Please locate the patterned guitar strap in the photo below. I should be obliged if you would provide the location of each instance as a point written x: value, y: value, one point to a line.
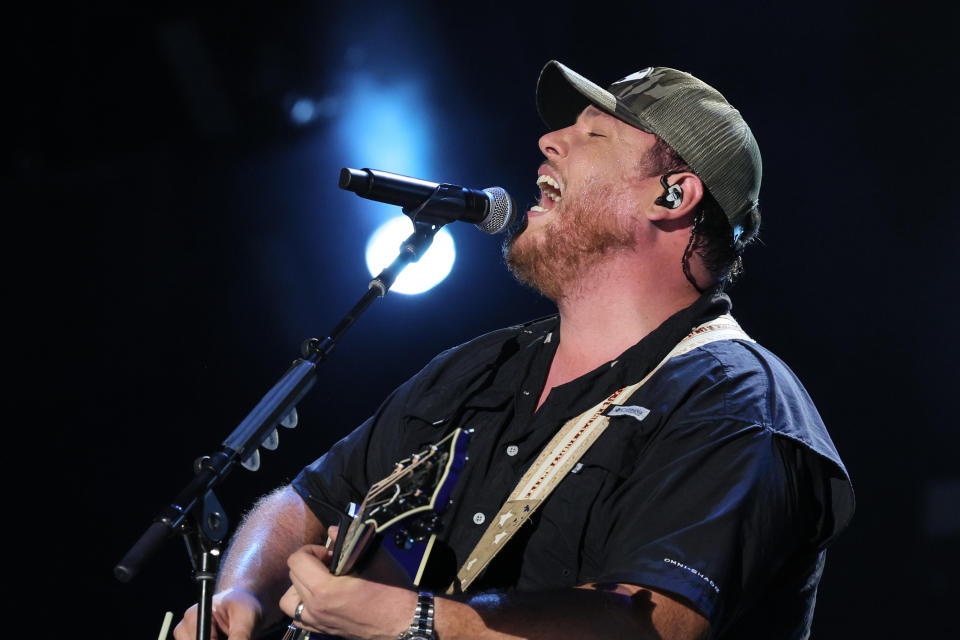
x: 565, y: 449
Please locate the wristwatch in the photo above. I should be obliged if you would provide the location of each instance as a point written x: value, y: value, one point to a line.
x: 422, y: 626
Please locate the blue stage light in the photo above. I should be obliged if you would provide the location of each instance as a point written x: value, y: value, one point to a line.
x: 303, y: 111
x: 386, y: 125
x: 417, y: 277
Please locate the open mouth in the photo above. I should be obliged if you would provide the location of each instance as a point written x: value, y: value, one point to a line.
x: 550, y: 194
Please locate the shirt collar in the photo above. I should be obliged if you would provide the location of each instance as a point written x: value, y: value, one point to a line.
x: 501, y: 380
x: 632, y: 365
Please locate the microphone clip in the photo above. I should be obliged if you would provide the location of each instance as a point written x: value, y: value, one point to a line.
x: 443, y: 205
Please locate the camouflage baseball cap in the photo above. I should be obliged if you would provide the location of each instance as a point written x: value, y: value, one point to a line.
x: 688, y: 114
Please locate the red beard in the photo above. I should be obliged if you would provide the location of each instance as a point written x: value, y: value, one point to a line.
x: 553, y: 257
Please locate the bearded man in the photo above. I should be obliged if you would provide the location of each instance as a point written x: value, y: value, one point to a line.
x: 709, y: 488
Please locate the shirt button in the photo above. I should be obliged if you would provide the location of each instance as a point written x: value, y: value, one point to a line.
x: 478, y: 518
x: 512, y: 450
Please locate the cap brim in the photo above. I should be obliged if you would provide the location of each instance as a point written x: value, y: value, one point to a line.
x: 563, y: 93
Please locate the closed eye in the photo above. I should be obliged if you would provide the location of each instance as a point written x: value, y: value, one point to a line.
x: 596, y: 135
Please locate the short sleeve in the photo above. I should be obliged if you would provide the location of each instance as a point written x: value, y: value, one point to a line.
x: 719, y: 504
x: 336, y: 478
x: 411, y: 417
x: 709, y: 521
x: 369, y: 453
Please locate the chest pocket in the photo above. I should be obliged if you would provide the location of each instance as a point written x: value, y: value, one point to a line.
x: 569, y: 531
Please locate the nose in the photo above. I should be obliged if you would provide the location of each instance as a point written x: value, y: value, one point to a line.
x: 554, y: 144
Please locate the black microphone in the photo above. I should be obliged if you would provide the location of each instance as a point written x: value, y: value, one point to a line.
x: 491, y: 210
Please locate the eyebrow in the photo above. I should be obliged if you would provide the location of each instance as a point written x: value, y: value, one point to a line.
x: 592, y: 112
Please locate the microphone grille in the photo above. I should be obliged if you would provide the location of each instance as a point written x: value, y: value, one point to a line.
x: 501, y: 212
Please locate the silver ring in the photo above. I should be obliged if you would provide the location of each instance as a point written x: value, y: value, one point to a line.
x: 297, y: 612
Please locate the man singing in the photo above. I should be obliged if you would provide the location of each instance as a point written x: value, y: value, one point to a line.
x: 709, y: 490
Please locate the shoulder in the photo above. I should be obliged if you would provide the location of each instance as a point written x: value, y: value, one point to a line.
x: 756, y: 385
x: 736, y: 384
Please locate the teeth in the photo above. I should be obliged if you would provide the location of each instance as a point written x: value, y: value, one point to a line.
x: 555, y: 191
x: 549, y: 180
x: 538, y: 209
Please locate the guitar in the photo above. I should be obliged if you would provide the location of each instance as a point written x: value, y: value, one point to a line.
x: 402, y: 510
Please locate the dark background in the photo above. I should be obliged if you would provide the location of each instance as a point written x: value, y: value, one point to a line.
x: 184, y: 236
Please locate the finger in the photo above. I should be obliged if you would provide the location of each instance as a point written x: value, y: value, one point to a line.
x: 309, y: 553
x: 292, y: 598
x: 186, y: 629
x: 182, y: 632
x: 289, y: 601
x: 240, y: 634
x: 237, y: 624
x: 236, y: 615
x: 332, y: 532
x: 317, y: 551
x: 220, y: 621
x: 308, y: 567
x: 306, y: 589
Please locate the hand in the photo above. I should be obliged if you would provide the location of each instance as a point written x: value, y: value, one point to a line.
x: 236, y: 613
x: 346, y: 606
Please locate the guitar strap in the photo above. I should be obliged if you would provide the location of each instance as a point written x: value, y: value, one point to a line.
x: 565, y: 449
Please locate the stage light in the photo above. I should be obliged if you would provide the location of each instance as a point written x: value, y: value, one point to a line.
x: 303, y: 111
x: 417, y: 277
x: 386, y: 126
x: 386, y: 122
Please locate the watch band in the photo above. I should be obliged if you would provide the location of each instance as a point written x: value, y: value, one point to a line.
x: 422, y: 626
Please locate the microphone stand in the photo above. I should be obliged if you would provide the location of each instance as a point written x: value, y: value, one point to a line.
x: 195, y: 512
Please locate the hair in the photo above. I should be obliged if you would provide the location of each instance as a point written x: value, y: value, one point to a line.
x: 711, y: 236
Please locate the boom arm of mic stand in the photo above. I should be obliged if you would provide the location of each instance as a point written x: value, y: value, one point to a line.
x: 259, y: 424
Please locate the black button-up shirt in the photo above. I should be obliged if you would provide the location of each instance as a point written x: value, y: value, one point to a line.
x: 720, y: 486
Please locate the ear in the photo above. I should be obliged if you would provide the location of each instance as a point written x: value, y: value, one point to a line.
x: 692, y: 193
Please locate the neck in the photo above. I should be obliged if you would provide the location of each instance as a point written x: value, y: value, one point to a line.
x: 602, y: 319
x: 600, y: 324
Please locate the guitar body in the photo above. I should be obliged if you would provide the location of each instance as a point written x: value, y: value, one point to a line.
x: 401, y: 512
